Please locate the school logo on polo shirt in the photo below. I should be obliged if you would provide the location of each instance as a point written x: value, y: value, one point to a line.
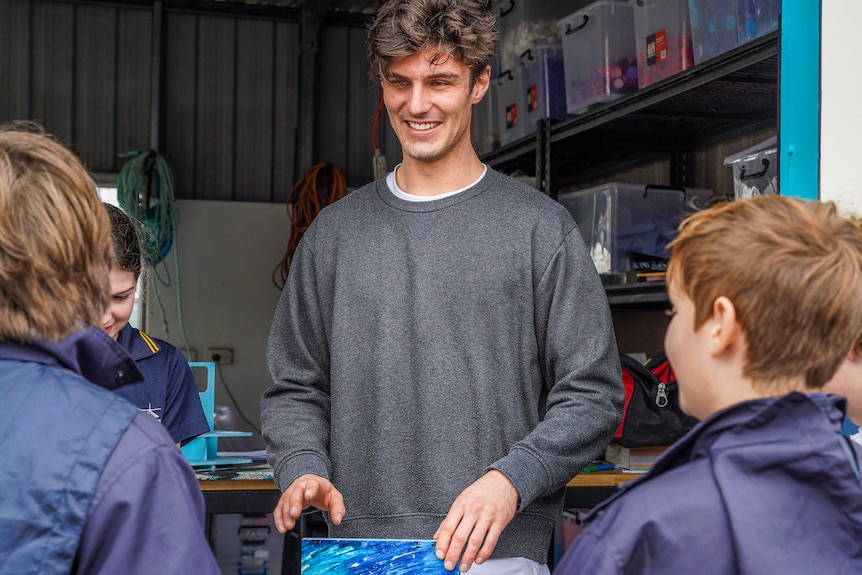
x: 152, y: 411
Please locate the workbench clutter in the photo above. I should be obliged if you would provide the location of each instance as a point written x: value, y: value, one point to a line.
x: 202, y: 451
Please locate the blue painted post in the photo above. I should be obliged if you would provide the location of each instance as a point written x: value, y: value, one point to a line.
x: 799, y: 99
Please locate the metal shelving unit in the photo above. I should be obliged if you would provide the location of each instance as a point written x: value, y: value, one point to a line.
x: 644, y: 294
x: 736, y: 92
x: 728, y: 95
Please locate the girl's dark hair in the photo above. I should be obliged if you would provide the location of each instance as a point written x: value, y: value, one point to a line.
x: 126, y: 234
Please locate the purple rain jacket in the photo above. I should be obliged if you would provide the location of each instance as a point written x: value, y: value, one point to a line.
x: 763, y: 487
x: 89, y: 483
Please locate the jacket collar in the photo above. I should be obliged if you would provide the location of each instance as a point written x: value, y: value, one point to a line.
x: 136, y: 343
x: 88, y: 352
x: 730, y: 427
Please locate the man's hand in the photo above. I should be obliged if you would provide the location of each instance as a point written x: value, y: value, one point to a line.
x: 476, y: 519
x: 307, y: 490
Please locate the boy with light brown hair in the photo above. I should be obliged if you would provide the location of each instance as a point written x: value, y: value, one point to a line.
x: 767, y: 296
x: 90, y: 484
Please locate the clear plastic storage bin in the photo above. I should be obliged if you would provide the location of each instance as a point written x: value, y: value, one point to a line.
x: 600, y: 58
x: 663, y: 39
x: 714, y: 27
x: 543, y: 85
x: 525, y: 24
x: 755, y: 170
x: 757, y: 17
x: 718, y: 26
x: 627, y: 227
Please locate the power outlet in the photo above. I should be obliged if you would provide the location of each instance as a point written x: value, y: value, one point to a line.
x: 379, y: 165
x: 220, y: 355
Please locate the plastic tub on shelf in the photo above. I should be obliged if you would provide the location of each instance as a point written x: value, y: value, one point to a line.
x: 714, y: 27
x: 756, y: 18
x: 509, y: 103
x: 663, y: 39
x: 525, y: 24
x: 718, y: 26
x: 755, y: 170
x: 600, y: 58
x: 543, y: 85
x: 627, y: 227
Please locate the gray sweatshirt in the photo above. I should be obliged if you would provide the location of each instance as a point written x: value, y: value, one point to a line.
x: 418, y: 344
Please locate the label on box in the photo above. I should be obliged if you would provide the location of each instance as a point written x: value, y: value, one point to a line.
x: 511, y: 115
x: 656, y: 48
x: 532, y: 98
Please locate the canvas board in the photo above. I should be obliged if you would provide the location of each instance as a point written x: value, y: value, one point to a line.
x: 334, y: 556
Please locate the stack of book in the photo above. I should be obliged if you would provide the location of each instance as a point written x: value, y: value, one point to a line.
x: 633, y: 459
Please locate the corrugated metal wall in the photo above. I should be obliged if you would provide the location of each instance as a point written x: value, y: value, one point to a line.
x: 227, y: 92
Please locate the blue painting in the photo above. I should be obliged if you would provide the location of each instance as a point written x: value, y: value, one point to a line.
x: 370, y: 557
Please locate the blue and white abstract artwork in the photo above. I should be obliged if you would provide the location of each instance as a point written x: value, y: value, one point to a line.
x: 327, y: 556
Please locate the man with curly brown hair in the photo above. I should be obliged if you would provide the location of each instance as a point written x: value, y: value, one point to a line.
x: 443, y: 353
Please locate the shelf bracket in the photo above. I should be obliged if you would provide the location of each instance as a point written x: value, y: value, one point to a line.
x: 682, y: 169
x: 543, y: 157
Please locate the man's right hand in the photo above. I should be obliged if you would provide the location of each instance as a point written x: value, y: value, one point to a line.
x: 307, y: 491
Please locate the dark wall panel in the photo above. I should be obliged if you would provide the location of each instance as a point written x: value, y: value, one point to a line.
x: 95, y: 80
x: 330, y: 130
x: 134, y: 83
x: 226, y: 102
x: 180, y: 95
x: 347, y: 104
x: 254, y: 109
x: 362, y: 109
x: 15, y: 58
x: 285, y: 109
x: 215, y: 108
x: 53, y: 60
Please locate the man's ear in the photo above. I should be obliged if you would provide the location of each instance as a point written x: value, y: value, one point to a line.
x: 483, y: 82
x: 724, y: 328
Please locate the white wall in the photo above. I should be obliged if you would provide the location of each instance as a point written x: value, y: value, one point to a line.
x: 227, y: 251
x: 841, y: 112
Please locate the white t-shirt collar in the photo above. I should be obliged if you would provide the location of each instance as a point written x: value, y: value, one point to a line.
x: 393, y: 187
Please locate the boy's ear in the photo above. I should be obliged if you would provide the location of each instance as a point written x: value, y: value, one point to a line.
x: 725, y: 330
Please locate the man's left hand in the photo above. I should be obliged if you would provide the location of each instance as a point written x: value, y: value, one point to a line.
x: 476, y: 520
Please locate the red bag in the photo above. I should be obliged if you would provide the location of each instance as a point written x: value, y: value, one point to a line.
x: 651, y: 415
